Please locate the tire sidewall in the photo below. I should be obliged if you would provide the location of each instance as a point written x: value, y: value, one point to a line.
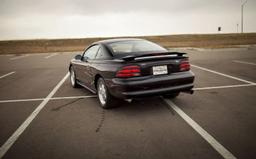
x: 73, y: 71
x: 101, y: 80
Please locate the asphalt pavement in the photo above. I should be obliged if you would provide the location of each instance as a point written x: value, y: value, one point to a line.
x: 42, y: 116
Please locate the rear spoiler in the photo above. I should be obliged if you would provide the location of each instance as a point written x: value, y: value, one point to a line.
x: 155, y: 55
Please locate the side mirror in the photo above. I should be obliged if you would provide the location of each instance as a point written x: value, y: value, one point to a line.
x: 85, y: 58
x: 78, y: 57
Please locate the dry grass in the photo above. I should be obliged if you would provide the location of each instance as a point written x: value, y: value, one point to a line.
x: 169, y: 41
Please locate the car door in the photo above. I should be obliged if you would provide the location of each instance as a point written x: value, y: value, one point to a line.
x: 84, y: 68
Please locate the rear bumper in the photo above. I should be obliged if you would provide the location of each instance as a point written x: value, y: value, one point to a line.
x: 150, y: 85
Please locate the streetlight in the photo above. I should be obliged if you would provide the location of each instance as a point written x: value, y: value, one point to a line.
x: 242, y: 16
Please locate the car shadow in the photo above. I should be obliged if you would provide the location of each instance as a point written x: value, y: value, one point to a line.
x: 65, y: 105
x: 142, y: 105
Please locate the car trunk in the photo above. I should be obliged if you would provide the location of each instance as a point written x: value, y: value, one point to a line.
x: 157, y: 64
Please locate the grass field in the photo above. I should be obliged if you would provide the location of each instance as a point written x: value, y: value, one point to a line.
x: 168, y: 41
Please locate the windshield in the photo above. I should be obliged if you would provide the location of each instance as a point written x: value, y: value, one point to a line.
x: 135, y: 46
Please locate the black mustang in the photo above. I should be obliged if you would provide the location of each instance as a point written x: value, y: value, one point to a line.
x: 130, y: 68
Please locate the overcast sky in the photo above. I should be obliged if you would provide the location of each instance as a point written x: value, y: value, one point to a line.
x: 37, y: 19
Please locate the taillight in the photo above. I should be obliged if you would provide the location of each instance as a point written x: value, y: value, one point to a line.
x: 184, y: 65
x: 128, y: 71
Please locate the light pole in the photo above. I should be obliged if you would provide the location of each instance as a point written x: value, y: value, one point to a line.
x: 242, y: 16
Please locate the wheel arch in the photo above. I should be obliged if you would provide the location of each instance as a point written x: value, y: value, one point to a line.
x: 70, y: 65
x: 97, y: 76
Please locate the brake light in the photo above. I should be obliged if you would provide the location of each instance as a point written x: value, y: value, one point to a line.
x: 128, y: 71
x: 184, y: 65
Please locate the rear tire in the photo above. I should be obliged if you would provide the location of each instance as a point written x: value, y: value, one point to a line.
x: 172, y: 95
x: 106, y: 100
x: 72, y: 75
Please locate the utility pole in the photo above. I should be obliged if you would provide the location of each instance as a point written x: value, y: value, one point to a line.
x: 242, y: 16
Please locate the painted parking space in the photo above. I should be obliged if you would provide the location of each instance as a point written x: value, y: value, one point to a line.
x: 227, y: 114
x: 29, y: 84
x: 11, y: 117
x: 143, y: 128
x: 72, y: 124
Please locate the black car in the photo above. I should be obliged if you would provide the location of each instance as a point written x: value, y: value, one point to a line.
x: 130, y: 68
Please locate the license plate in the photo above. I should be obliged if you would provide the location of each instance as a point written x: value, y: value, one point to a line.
x: 160, y: 70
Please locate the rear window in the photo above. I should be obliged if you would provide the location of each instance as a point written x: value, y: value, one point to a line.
x: 134, y: 46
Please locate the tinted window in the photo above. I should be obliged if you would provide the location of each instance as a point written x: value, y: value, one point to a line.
x: 102, y: 54
x: 135, y: 46
x: 91, y: 52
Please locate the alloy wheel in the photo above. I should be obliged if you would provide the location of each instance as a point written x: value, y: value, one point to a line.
x: 72, y: 77
x: 102, y: 93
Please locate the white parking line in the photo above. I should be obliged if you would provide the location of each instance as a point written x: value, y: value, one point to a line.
x: 40, y: 99
x: 5, y: 147
x: 51, y: 55
x: 93, y: 96
x: 221, y: 87
x: 7, y: 55
x: 21, y: 100
x: 8, y: 74
x: 244, y: 62
x: 209, y: 138
x: 19, y: 57
x: 222, y: 74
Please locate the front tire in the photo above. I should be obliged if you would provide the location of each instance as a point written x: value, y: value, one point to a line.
x: 106, y: 100
x: 72, y: 75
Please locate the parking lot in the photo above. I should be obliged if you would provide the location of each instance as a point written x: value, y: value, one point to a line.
x: 42, y: 116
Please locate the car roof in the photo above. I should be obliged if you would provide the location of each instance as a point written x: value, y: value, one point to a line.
x: 108, y: 41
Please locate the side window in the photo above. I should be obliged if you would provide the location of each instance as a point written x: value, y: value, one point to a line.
x: 102, y: 54
x: 91, y: 52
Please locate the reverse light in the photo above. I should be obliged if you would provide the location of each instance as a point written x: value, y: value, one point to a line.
x: 129, y: 71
